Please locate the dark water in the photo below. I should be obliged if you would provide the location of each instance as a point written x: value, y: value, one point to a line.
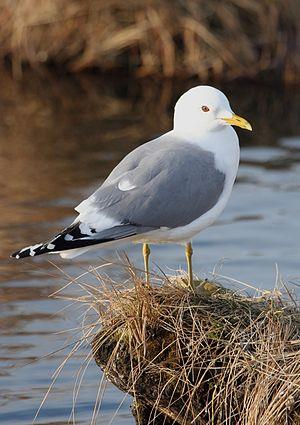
x: 58, y: 139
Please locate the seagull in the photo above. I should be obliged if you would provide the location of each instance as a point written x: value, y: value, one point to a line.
x: 166, y: 190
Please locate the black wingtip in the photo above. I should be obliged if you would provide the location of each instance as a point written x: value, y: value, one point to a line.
x: 18, y: 255
x: 74, y: 237
x: 29, y: 251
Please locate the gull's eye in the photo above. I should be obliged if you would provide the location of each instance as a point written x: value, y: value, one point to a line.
x: 205, y: 108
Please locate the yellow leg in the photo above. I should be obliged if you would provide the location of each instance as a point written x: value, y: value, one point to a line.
x: 188, y: 254
x: 146, y: 254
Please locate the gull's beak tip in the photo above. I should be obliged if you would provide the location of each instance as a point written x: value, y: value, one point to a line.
x: 239, y: 122
x: 248, y: 126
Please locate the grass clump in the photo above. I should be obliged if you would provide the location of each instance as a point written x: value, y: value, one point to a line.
x: 210, y: 357
x: 210, y: 39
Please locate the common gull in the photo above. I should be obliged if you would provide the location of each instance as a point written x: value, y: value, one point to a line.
x: 166, y: 190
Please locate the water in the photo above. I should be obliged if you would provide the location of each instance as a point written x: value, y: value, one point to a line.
x: 58, y: 139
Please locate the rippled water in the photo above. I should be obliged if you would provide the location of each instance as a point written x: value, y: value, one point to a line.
x: 58, y: 139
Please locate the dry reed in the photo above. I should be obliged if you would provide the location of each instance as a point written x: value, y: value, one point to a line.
x: 210, y: 39
x: 210, y: 357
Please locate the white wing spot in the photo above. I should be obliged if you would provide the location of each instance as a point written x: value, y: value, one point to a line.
x: 33, y: 248
x: 93, y: 218
x: 125, y: 185
x: 50, y: 246
x: 85, y: 229
x: 69, y: 237
x: 17, y: 256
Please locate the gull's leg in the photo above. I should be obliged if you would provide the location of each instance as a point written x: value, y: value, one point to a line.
x: 188, y: 254
x: 146, y: 254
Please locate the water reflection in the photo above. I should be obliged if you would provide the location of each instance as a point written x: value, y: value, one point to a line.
x: 58, y: 139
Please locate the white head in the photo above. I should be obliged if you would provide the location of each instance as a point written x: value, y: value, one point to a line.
x: 202, y: 109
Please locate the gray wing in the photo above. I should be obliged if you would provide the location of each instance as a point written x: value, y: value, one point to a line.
x: 169, y: 183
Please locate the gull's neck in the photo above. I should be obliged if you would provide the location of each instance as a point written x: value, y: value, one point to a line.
x: 210, y: 139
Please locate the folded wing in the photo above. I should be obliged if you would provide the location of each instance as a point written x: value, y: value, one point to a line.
x: 165, y: 183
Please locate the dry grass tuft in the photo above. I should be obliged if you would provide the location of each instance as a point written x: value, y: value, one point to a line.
x: 219, y: 39
x: 210, y: 357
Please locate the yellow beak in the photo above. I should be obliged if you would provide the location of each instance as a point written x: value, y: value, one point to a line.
x: 238, y: 121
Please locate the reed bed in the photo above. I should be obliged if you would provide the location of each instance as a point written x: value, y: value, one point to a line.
x: 209, y: 39
x: 209, y: 356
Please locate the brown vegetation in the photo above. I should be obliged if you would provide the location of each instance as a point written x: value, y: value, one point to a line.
x: 211, y: 39
x: 209, y: 357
